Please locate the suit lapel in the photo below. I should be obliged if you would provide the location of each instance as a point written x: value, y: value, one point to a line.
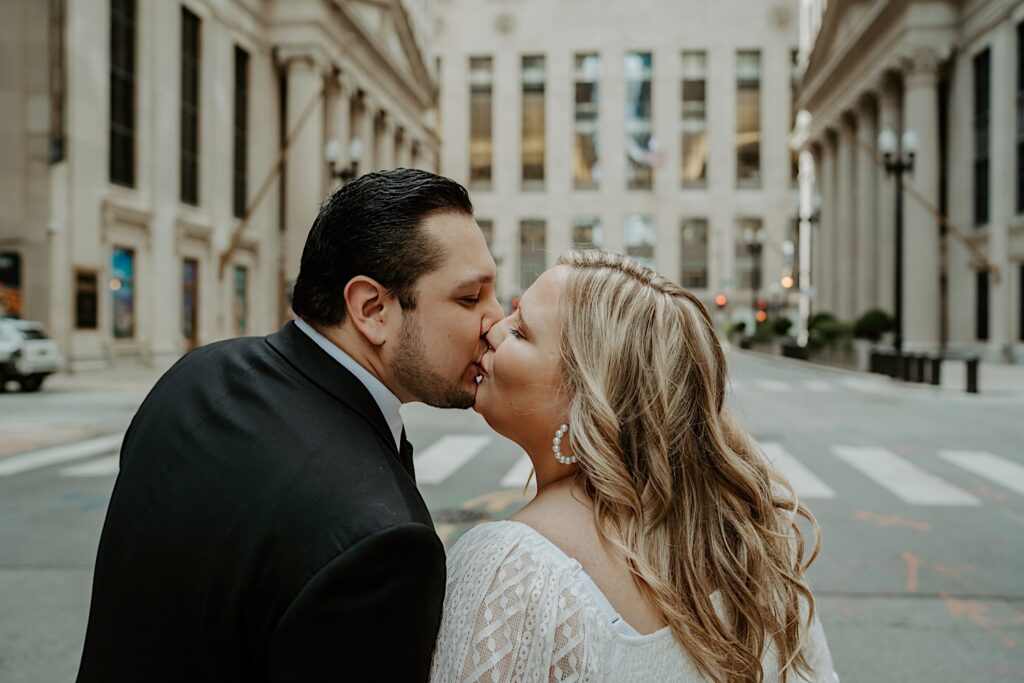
x: 405, y: 454
x: 304, y: 355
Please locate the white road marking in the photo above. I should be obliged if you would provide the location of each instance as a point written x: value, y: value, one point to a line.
x: 102, y: 467
x: 772, y: 385
x: 443, y: 457
x: 24, y: 462
x: 516, y: 477
x: 989, y: 466
x: 806, y: 483
x: 907, y: 481
x: 818, y: 386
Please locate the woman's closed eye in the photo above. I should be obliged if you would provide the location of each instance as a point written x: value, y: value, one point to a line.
x: 516, y: 333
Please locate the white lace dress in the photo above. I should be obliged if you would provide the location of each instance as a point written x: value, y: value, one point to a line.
x: 517, y: 609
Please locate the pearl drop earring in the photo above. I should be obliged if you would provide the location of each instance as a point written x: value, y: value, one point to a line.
x: 556, y: 446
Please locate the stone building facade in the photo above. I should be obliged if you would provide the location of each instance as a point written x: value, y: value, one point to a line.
x: 165, y: 159
x: 655, y: 129
x: 952, y: 72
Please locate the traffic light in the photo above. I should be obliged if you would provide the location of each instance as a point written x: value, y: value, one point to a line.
x: 762, y: 310
x: 721, y: 301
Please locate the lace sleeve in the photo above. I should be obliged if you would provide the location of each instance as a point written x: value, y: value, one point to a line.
x: 512, y: 614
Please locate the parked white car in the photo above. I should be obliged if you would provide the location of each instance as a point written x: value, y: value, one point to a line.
x: 27, y: 355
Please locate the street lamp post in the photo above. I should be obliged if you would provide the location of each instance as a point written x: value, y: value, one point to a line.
x: 897, y: 165
x: 754, y: 239
x: 332, y: 155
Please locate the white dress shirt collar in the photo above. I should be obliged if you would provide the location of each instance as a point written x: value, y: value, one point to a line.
x: 386, y: 400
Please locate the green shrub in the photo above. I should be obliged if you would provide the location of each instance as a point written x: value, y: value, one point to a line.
x: 872, y: 325
x: 781, y: 326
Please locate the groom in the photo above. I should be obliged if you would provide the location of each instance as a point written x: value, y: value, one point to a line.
x: 265, y: 524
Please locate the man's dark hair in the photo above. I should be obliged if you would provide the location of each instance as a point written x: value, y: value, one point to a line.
x: 374, y: 227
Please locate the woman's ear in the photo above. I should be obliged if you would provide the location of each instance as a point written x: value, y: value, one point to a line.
x: 365, y: 300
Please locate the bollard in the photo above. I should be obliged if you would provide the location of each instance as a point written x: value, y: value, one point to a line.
x: 936, y: 373
x: 920, y: 368
x: 873, y: 361
x: 903, y: 363
x: 972, y: 375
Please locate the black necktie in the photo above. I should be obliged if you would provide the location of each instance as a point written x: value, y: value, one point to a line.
x: 405, y: 455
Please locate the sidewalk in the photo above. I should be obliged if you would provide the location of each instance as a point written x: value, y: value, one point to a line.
x: 120, y: 377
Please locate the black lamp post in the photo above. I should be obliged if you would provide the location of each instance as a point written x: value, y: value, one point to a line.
x: 754, y: 238
x: 897, y: 166
x: 332, y: 155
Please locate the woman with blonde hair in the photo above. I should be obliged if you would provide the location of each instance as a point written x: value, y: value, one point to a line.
x: 661, y: 545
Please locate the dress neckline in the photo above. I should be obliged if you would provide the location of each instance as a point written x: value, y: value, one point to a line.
x: 592, y: 586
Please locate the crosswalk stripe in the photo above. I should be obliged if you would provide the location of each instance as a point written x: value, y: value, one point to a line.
x: 905, y: 480
x: 989, y: 466
x: 56, y: 455
x: 806, y: 483
x: 102, y: 467
x: 772, y: 385
x: 440, y: 460
x: 817, y: 386
x: 516, y: 477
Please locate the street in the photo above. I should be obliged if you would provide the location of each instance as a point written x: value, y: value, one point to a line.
x: 919, y: 492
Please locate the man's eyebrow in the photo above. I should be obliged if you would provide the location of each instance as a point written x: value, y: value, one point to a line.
x: 482, y: 279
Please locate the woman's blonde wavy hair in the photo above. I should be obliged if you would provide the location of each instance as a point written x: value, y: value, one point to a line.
x: 676, y: 484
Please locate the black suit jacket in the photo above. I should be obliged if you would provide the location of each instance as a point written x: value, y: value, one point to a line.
x: 263, y: 527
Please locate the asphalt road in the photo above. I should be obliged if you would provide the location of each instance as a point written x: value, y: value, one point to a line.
x: 919, y: 492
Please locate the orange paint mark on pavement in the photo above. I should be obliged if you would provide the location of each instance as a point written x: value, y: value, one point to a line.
x: 913, y: 565
x: 976, y: 613
x: 891, y: 520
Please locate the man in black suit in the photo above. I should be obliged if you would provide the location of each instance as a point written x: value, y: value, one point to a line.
x: 265, y: 524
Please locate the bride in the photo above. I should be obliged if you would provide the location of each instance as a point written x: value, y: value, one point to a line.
x: 660, y: 546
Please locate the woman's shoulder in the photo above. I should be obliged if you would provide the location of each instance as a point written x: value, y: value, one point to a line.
x: 496, y: 543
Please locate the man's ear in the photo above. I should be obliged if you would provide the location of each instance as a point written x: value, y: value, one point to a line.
x: 365, y: 305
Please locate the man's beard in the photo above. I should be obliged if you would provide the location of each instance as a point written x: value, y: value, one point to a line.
x: 412, y: 371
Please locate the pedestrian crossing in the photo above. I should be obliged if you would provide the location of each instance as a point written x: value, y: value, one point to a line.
x: 862, y: 385
x: 911, y: 481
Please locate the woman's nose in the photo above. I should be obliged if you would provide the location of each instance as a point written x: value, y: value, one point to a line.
x: 497, y: 334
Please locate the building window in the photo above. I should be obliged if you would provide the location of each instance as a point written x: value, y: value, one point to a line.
x: 86, y: 300
x: 10, y: 284
x: 640, y: 239
x: 122, y: 288
x: 982, y: 65
x: 240, y: 307
x: 241, y: 165
x: 981, y: 306
x: 532, y: 254
x: 694, y: 171
x: 748, y: 118
x: 189, y: 107
x: 1020, y: 302
x: 794, y: 86
x: 1020, y: 124
x: 481, y: 121
x: 190, y: 302
x: 487, y: 228
x: 639, y: 156
x: 533, y: 122
x: 587, y: 232
x: 749, y: 239
x: 586, y: 163
x: 122, y: 92
x: 694, y: 273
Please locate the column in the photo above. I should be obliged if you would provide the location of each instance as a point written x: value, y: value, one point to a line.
x: 340, y: 124
x: 920, y: 228
x: 826, y: 228
x: 888, y: 117
x: 304, y: 170
x: 865, y: 258
x: 844, y: 245
x: 366, y: 130
x: 1002, y: 191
